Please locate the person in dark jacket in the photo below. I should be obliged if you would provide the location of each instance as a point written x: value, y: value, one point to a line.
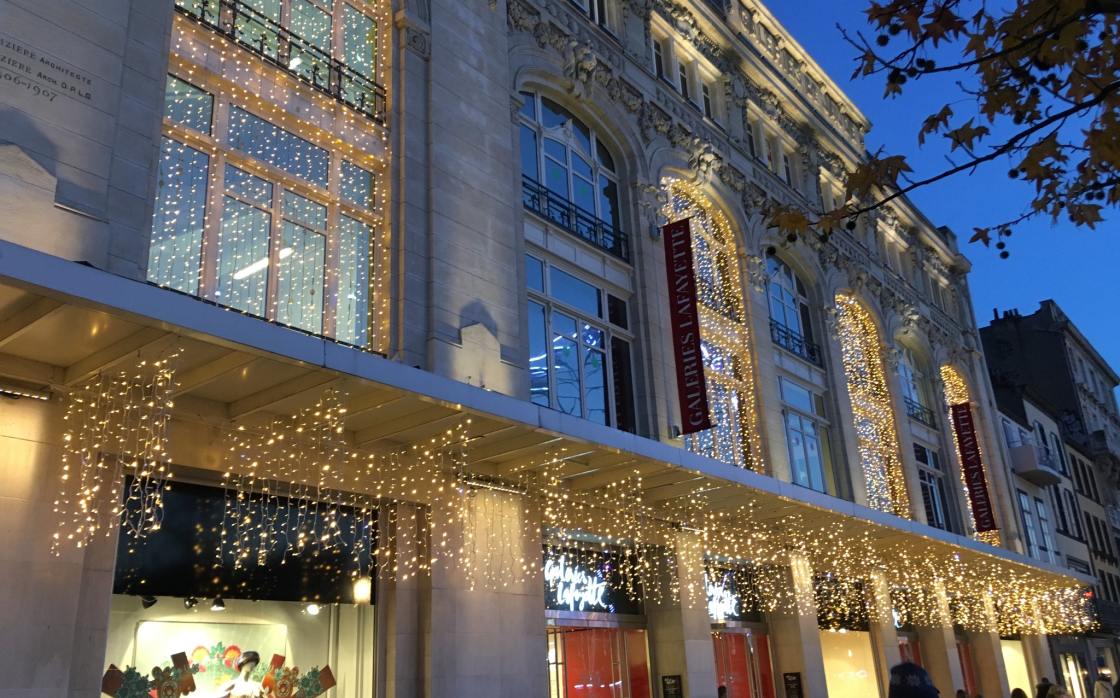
x: 1042, y: 688
x: 908, y: 680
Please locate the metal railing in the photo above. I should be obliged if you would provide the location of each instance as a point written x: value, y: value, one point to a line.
x: 792, y: 341
x: 919, y: 412
x: 246, y: 27
x: 539, y: 199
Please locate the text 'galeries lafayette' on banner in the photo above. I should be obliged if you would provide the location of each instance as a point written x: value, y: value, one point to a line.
x: 973, y: 468
x: 685, y: 319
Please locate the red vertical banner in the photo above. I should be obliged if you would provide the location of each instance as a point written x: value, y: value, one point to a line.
x: 685, y: 319
x: 972, y: 466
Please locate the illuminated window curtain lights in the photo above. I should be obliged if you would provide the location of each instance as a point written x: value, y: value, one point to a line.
x: 175, y: 253
x: 728, y: 367
x: 955, y: 391
x: 871, y: 405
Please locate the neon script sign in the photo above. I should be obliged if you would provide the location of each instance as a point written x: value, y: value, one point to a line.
x: 575, y: 587
x: 722, y: 602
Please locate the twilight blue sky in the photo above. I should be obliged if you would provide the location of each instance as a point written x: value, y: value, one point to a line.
x: 1077, y: 268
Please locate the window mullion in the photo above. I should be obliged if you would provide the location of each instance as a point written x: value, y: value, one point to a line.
x: 208, y: 279
x: 272, y: 292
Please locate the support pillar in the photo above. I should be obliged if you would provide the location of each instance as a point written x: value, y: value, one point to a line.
x: 884, y: 636
x: 987, y: 655
x: 402, y: 605
x: 939, y: 649
x: 795, y: 637
x: 680, y: 631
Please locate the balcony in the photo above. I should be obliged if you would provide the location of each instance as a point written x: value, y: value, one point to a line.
x: 1108, y: 615
x: 574, y: 219
x: 1034, y: 466
x: 253, y: 31
x: 920, y: 413
x: 793, y: 342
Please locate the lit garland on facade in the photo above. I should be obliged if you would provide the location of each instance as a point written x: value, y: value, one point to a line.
x: 871, y: 405
x: 114, y: 467
x: 304, y: 242
x: 728, y: 366
x: 956, y: 392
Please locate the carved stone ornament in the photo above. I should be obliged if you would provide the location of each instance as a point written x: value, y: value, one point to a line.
x: 418, y: 41
x: 652, y: 202
x: 831, y: 324
x: 891, y: 357
x: 755, y: 268
x: 703, y: 161
x: 580, y: 65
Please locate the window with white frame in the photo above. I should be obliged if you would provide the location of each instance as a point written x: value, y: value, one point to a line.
x: 579, y: 346
x: 1030, y: 534
x: 1046, y: 539
x: 915, y: 388
x: 810, y: 452
x: 599, y: 11
x: 688, y: 73
x: 749, y: 128
x: 569, y: 175
x: 931, y: 478
x: 259, y: 219
x: 790, y: 322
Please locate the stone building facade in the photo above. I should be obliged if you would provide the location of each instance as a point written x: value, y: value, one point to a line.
x: 353, y: 321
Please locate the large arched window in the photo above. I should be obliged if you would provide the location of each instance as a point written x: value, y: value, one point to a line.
x: 871, y: 404
x: 915, y: 388
x: 728, y: 369
x: 568, y: 175
x: 790, y: 325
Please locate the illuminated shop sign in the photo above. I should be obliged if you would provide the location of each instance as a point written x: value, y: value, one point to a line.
x: 731, y: 594
x: 575, y: 588
x: 589, y: 581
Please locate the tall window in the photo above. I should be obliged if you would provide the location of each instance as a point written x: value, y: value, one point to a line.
x: 790, y: 326
x: 875, y: 426
x: 728, y: 369
x: 810, y: 452
x: 1030, y: 535
x: 568, y: 175
x: 579, y: 347
x: 914, y: 389
x: 1046, y: 545
x: 293, y: 223
x: 598, y: 11
x: 935, y: 498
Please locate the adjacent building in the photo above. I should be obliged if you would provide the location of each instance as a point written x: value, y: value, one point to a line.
x: 441, y: 344
x: 1056, y: 395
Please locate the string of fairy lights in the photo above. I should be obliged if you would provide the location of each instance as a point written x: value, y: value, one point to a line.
x: 491, y: 529
x: 955, y: 391
x: 725, y: 341
x: 265, y: 213
x: 871, y: 405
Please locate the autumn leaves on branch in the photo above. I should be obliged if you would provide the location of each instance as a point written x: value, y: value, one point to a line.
x: 1037, y: 89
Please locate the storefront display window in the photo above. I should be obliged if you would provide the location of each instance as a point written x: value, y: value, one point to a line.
x: 849, y: 663
x: 1074, y: 674
x: 597, y: 663
x: 1015, y: 662
x: 307, y: 609
x: 743, y: 665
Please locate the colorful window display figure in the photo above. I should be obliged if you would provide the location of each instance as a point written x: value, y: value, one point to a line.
x: 248, y: 681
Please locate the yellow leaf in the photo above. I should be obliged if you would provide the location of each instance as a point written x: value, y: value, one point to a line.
x: 964, y: 136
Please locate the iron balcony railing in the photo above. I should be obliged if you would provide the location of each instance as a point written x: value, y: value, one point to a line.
x: 246, y: 27
x: 920, y: 413
x: 794, y: 342
x: 574, y: 219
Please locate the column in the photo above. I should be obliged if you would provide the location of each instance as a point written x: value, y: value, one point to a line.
x: 987, y: 656
x: 403, y: 602
x: 939, y: 649
x: 680, y: 631
x: 795, y: 638
x: 884, y: 636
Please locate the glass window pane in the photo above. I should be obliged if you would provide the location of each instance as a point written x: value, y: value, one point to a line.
x: 359, y: 37
x: 256, y: 137
x: 304, y: 211
x: 797, y: 396
x: 186, y: 104
x: 243, y: 257
x: 356, y: 185
x: 616, y: 312
x: 583, y: 194
x: 623, y: 384
x: 538, y: 355
x: 175, y: 254
x: 556, y: 178
x: 574, y: 292
x: 249, y: 187
x: 534, y: 273
x: 299, y: 300
x: 352, y: 308
x: 603, y: 155
x: 563, y: 324
x: 529, y: 109
x: 592, y: 336
x: 552, y: 114
x: 530, y: 166
x: 608, y: 202
x: 268, y: 8
x: 594, y: 373
x: 796, y: 441
x: 565, y: 359
x: 556, y: 149
x: 581, y: 166
x: 312, y: 24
